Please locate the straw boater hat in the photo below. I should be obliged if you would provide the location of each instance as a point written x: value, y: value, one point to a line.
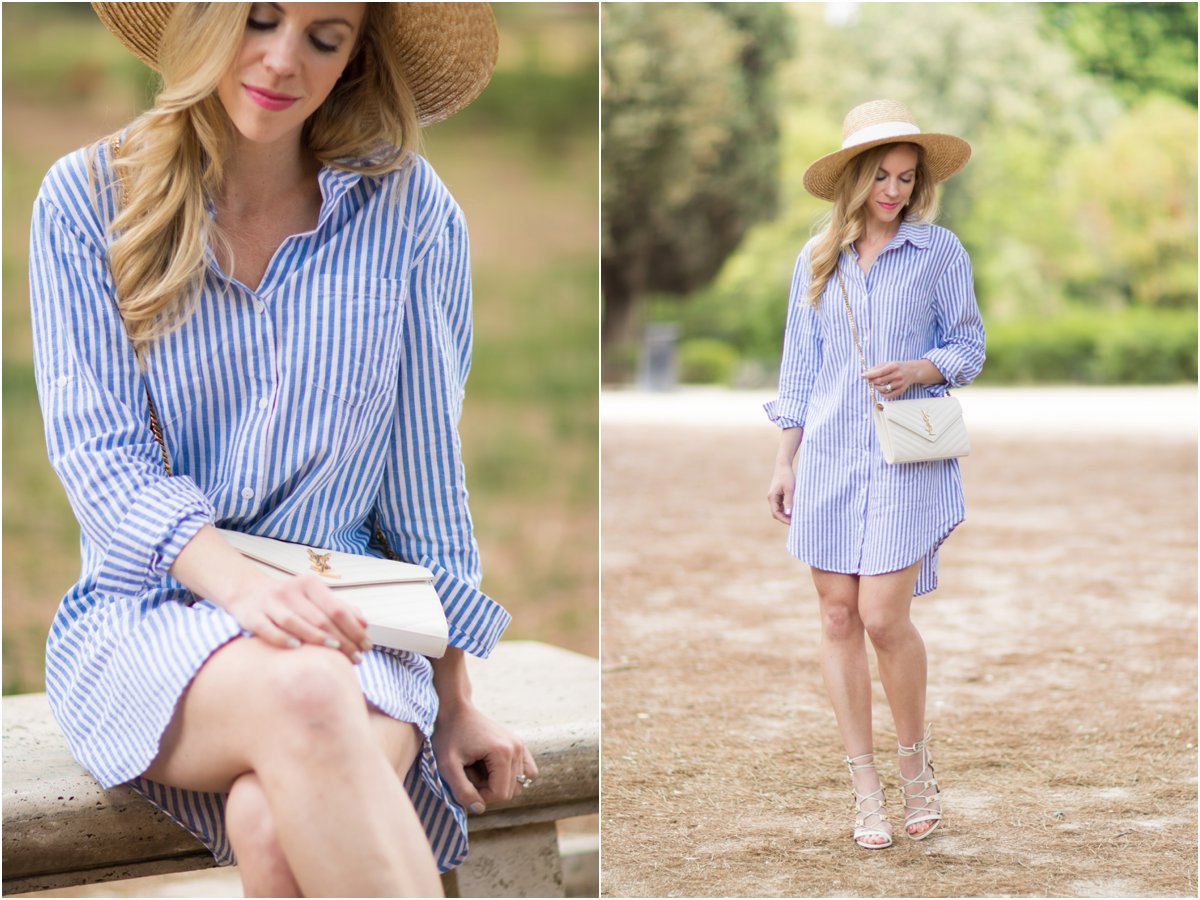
x: 884, y: 122
x: 447, y: 50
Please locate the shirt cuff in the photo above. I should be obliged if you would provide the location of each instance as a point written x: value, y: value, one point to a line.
x: 943, y: 359
x: 475, y: 620
x: 786, y: 413
x: 158, y: 525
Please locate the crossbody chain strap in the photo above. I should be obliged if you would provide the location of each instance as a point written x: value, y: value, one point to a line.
x: 156, y: 426
x: 854, y: 331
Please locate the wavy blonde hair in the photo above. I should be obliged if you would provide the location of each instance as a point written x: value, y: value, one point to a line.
x: 171, y: 158
x: 844, y: 223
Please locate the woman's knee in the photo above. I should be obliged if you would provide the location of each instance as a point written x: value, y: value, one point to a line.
x: 313, y: 687
x: 839, y: 618
x: 885, y: 626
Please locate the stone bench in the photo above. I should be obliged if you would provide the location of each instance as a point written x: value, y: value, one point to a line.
x: 61, y: 829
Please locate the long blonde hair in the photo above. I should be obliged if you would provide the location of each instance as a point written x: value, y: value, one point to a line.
x: 844, y: 223
x: 171, y: 158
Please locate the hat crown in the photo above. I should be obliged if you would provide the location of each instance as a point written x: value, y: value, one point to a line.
x: 877, y: 118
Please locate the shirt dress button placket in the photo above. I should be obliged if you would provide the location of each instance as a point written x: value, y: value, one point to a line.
x: 262, y: 328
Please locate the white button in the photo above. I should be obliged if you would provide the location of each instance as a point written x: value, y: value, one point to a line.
x: 247, y: 493
x: 63, y: 380
x: 259, y: 306
x: 262, y: 402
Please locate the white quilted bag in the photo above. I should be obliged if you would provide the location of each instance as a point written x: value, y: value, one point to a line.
x: 919, y: 430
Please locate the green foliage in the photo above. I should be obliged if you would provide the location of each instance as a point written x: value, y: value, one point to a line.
x: 1140, y: 48
x: 706, y: 361
x: 689, y: 141
x: 546, y: 85
x: 1133, y: 346
x: 1130, y: 206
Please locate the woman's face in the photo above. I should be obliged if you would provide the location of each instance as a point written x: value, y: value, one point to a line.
x: 291, y: 56
x: 894, y: 181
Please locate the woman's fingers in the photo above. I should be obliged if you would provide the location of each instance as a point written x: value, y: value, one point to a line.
x: 340, y: 622
x: 464, y: 782
x: 289, y: 612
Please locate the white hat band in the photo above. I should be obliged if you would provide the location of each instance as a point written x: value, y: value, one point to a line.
x: 880, y: 130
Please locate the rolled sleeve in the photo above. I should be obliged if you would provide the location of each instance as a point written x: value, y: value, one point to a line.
x: 133, y: 516
x: 960, y: 338
x: 422, y: 506
x: 801, y: 353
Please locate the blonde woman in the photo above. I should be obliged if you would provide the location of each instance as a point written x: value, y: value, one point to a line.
x: 264, y: 258
x: 870, y: 531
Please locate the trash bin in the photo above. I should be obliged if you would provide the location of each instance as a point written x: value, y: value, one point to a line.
x: 658, y: 369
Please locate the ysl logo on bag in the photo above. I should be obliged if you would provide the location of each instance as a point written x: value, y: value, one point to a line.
x: 320, y: 564
x: 928, y: 423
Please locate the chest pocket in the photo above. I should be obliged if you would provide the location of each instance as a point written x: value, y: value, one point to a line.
x: 349, y: 340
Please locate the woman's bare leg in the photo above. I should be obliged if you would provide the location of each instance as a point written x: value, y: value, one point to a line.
x: 846, y: 674
x: 885, y: 604
x: 264, y: 869
x: 297, y: 720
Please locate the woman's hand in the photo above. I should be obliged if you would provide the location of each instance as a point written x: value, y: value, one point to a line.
x: 781, y: 492
x: 891, y: 379
x: 284, y: 612
x: 783, y: 482
x: 288, y: 612
x: 481, y: 760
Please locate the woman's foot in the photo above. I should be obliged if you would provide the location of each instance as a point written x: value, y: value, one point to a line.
x: 922, y: 806
x: 872, y: 830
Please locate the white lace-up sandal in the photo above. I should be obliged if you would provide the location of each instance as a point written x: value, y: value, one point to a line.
x: 864, y: 829
x: 918, y: 800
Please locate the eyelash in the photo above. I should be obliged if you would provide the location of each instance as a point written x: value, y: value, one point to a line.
x: 902, y: 180
x: 267, y: 26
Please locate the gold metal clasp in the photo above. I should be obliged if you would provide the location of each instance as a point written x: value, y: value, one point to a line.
x: 928, y: 422
x: 319, y: 563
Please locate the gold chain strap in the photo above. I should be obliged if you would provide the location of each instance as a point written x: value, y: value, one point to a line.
x: 155, y: 427
x: 854, y: 331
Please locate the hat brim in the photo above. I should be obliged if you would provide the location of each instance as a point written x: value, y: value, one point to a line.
x: 945, y: 155
x: 447, y: 50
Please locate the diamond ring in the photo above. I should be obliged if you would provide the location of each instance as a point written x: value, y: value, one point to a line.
x: 524, y: 780
x: 888, y: 387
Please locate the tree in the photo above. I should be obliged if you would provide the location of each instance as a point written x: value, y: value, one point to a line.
x: 1140, y: 48
x: 689, y: 148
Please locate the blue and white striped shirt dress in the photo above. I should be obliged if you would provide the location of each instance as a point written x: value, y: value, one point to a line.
x: 853, y: 512
x: 308, y: 408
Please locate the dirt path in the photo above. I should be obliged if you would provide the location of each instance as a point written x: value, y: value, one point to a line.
x: 1062, y: 653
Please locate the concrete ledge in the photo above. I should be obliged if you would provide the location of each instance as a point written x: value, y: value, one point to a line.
x: 62, y: 829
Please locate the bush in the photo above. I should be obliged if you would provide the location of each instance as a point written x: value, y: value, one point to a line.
x: 1134, y: 346
x: 706, y: 361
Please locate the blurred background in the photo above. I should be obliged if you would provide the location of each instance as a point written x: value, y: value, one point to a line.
x: 521, y: 161
x: 1078, y: 207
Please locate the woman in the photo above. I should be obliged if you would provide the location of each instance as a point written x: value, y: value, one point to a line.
x: 264, y: 260
x: 869, y: 530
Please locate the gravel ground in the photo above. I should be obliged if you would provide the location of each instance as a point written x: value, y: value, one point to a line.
x: 1062, y: 647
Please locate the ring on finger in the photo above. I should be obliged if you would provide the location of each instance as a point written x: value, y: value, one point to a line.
x: 524, y: 780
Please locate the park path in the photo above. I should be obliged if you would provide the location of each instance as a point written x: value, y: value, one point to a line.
x: 1062, y: 647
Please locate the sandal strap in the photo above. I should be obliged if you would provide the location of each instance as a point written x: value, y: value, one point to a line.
x: 917, y: 803
x: 852, y: 762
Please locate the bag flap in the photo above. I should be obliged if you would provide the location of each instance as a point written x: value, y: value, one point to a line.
x: 929, y: 419
x: 335, y: 568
